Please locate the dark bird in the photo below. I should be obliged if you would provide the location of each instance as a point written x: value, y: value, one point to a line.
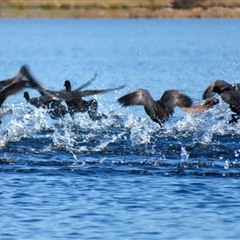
x: 14, y: 85
x: 48, y: 100
x: 230, y: 94
x: 66, y: 94
x: 78, y: 104
x: 20, y: 76
x: 55, y: 108
x: 221, y: 86
x: 159, y: 111
x: 232, y: 98
x: 38, y: 102
x: 74, y: 98
x: 46, y: 97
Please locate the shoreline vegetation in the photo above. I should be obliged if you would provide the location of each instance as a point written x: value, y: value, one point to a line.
x: 119, y: 9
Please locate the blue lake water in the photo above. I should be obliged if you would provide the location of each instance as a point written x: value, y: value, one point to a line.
x: 120, y: 177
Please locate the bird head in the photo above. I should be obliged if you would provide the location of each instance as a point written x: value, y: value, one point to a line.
x: 67, y: 85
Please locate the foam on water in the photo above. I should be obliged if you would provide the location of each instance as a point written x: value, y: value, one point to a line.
x: 83, y: 134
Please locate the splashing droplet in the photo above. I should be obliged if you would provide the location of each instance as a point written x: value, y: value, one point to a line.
x: 226, y: 164
x: 184, y: 155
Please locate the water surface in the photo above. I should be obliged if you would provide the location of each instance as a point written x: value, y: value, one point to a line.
x: 120, y: 177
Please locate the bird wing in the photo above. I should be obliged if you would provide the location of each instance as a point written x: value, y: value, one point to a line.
x: 86, y: 93
x: 6, y: 82
x: 209, y: 103
x: 182, y: 100
x: 138, y: 97
x: 10, y: 90
x: 173, y: 98
x: 35, y: 84
x: 154, y: 109
x: 87, y: 83
x: 194, y: 109
x: 78, y: 95
x: 223, y: 86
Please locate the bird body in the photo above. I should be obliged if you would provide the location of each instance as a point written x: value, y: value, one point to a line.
x: 230, y: 94
x: 38, y: 102
x: 232, y: 98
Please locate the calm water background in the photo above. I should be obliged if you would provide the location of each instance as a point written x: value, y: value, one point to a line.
x: 120, y: 177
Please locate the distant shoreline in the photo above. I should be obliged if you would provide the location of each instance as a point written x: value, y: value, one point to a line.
x: 135, y: 13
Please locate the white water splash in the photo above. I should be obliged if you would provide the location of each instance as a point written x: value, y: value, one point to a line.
x: 184, y: 155
x: 226, y: 166
x: 106, y: 141
x: 27, y: 121
x: 141, y: 130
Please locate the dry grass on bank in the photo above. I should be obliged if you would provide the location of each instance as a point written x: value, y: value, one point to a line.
x: 118, y: 4
x: 87, y: 4
x: 119, y: 8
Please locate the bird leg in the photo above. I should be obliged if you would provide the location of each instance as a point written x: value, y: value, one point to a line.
x: 157, y: 120
x: 56, y: 110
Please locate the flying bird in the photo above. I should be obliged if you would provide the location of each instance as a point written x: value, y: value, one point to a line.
x: 232, y: 98
x: 230, y: 94
x: 220, y: 86
x: 15, y: 84
x: 55, y: 108
x: 73, y: 98
x: 159, y: 111
x: 78, y: 104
